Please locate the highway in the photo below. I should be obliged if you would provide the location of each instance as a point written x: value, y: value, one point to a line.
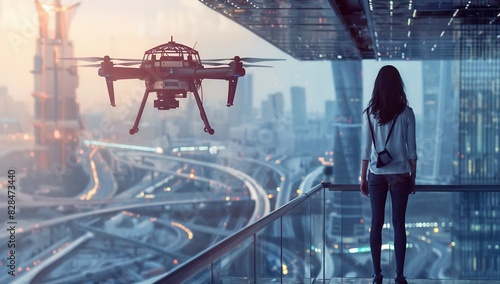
x: 257, y: 193
x: 101, y: 202
x: 170, y: 208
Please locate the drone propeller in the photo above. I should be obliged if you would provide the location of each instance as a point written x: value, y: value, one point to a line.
x: 248, y: 59
x: 89, y: 65
x: 116, y: 64
x: 255, y: 65
x: 131, y: 63
x: 225, y: 64
x: 96, y: 59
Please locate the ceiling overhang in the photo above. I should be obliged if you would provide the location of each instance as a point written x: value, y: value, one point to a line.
x: 371, y: 29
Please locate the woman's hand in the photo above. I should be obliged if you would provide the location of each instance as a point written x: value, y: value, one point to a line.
x: 412, y: 186
x: 413, y: 175
x: 364, y: 187
x: 364, y: 183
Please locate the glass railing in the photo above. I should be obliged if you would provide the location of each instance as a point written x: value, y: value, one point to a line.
x: 453, y: 234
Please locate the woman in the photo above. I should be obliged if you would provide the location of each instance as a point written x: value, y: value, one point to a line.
x: 388, y: 108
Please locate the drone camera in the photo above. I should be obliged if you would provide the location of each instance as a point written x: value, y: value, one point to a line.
x: 166, y: 102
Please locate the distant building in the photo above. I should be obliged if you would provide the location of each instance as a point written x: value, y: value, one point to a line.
x: 57, y: 122
x: 242, y: 110
x: 438, y: 138
x: 8, y: 123
x: 14, y: 114
x: 329, y: 114
x: 277, y: 101
x: 477, y: 233
x: 299, y: 119
x: 15, y: 130
x: 299, y: 108
x: 479, y: 122
x: 347, y: 114
x: 265, y: 110
x: 273, y: 108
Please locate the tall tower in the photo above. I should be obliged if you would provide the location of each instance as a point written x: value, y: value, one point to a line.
x: 299, y: 108
x: 300, y: 125
x: 438, y: 148
x: 242, y: 110
x: 278, y: 103
x: 346, y: 127
x: 478, y: 229
x: 329, y: 115
x: 347, y: 124
x: 56, y: 119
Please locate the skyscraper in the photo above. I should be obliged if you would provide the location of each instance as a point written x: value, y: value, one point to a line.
x: 56, y: 118
x: 346, y: 128
x: 299, y: 107
x: 438, y: 143
x: 329, y: 115
x: 479, y: 134
x: 347, y: 124
x: 277, y: 103
x: 242, y: 110
x: 478, y: 231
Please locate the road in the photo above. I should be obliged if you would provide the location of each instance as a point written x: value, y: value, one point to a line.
x: 101, y: 202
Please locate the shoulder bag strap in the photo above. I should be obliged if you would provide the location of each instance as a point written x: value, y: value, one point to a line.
x: 371, y: 129
x: 390, y: 131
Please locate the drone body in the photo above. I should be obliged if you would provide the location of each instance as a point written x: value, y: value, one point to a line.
x: 172, y: 70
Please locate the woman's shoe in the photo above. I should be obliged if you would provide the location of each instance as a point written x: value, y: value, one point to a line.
x: 377, y: 279
x: 400, y: 279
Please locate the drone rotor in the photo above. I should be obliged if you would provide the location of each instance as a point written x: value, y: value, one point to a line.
x: 97, y: 59
x: 225, y: 64
x: 247, y: 59
x: 116, y: 64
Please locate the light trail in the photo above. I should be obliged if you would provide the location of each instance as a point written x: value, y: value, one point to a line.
x: 157, y: 150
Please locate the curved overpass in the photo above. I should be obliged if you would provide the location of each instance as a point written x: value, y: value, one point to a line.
x: 257, y: 193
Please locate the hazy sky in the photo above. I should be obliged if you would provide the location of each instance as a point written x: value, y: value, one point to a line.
x: 126, y: 28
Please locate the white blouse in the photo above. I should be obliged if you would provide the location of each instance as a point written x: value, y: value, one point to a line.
x: 402, y: 145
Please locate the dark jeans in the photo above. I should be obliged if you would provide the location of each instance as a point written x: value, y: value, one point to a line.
x: 399, y: 187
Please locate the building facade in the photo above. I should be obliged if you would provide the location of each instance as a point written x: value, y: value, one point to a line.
x: 478, y: 231
x: 56, y: 115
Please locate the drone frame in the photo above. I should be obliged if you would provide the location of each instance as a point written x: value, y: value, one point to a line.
x: 171, y: 70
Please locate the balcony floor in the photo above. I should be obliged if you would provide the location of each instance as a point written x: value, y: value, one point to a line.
x: 410, y: 281
x: 351, y: 280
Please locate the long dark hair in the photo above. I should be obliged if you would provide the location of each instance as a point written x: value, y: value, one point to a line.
x: 388, y: 96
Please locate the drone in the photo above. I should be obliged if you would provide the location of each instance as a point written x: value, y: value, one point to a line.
x: 172, y: 70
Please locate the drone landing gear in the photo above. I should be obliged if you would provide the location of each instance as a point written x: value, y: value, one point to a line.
x: 203, y: 115
x: 160, y: 104
x: 135, y: 128
x: 210, y: 131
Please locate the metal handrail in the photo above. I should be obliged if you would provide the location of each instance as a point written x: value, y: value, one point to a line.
x: 209, y: 255
x: 426, y: 188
